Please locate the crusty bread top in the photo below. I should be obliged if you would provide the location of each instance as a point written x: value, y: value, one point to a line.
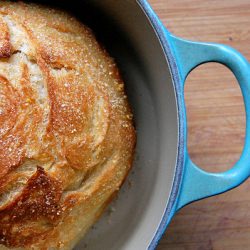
x: 66, y: 133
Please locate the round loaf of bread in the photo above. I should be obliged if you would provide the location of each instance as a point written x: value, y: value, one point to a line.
x: 66, y: 132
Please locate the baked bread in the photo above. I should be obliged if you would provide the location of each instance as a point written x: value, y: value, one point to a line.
x: 66, y: 132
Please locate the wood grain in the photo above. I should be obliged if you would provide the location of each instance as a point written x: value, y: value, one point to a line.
x: 216, y: 120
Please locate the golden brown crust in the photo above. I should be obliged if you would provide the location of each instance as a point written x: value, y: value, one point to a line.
x: 5, y: 45
x: 66, y: 133
x: 35, y: 211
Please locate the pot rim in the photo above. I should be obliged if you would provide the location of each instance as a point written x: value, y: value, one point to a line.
x: 164, y: 40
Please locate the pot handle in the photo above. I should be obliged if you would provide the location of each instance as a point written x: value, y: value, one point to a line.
x: 197, y: 183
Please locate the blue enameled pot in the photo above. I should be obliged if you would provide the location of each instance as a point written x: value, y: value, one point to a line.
x: 154, y: 65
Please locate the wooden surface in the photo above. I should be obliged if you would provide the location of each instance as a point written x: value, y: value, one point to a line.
x: 216, y: 124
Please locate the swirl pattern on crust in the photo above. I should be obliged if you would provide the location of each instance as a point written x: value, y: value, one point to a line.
x: 66, y: 133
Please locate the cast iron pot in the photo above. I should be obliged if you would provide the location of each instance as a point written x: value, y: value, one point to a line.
x: 154, y: 65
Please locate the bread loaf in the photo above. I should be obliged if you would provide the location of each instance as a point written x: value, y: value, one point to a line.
x: 66, y: 132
